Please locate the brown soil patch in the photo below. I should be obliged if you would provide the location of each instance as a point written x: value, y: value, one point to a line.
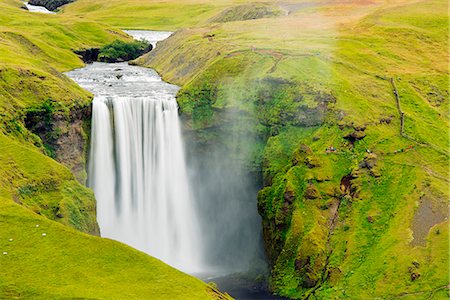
x: 426, y: 216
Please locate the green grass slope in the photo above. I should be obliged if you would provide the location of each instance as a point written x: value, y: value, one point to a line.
x: 44, y: 186
x: 52, y: 261
x: 35, y: 48
x: 167, y: 15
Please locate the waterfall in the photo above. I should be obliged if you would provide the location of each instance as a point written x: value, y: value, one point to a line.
x: 137, y: 166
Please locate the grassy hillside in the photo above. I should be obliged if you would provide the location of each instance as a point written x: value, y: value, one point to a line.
x: 167, y: 15
x: 369, y: 219
x: 34, y: 49
x: 41, y: 259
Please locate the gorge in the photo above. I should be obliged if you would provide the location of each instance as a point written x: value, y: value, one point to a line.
x: 285, y: 148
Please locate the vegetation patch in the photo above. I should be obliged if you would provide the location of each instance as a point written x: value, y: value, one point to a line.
x: 119, y: 51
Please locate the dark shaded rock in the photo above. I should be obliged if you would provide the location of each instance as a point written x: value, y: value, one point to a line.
x: 370, y: 160
x: 24, y: 7
x: 289, y: 195
x: 346, y: 184
x: 308, y: 282
x: 386, y: 120
x: 50, y: 4
x: 312, y: 192
x: 415, y: 276
x: 312, y: 162
x: 301, y: 263
x: 370, y: 219
x: 88, y: 55
x: 300, y: 154
x: 356, y: 135
x: 63, y: 131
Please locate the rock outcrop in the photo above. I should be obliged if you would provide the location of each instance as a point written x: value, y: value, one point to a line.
x: 64, y: 132
x: 50, y: 4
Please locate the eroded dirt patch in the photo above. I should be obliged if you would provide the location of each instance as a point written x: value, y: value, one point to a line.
x: 427, y: 215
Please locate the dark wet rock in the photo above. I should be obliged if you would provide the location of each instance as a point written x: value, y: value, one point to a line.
x: 370, y: 219
x: 289, y: 195
x: 308, y: 282
x: 301, y: 263
x: 88, y: 55
x: 370, y: 160
x: 358, y: 134
x: 300, y: 154
x: 312, y: 192
x: 346, y: 183
x: 415, y: 276
x: 386, y: 120
x: 312, y: 162
x: 63, y: 131
x: 24, y: 7
x: 50, y: 4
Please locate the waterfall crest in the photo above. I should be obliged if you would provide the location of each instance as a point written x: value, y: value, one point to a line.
x: 137, y: 166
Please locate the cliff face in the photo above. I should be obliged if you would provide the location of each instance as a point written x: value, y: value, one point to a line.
x: 50, y: 4
x: 64, y: 132
x: 341, y: 197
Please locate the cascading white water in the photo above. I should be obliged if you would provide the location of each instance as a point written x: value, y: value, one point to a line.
x: 137, y: 167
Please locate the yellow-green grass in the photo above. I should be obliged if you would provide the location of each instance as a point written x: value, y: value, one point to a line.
x: 35, y: 48
x: 44, y: 186
x: 154, y: 15
x: 68, y: 264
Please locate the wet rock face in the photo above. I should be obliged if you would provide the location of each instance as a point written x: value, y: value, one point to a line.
x: 50, y: 4
x: 88, y: 55
x: 357, y: 134
x: 64, y: 133
x: 370, y: 160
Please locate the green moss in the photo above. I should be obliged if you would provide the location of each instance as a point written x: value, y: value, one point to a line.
x: 122, y: 51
